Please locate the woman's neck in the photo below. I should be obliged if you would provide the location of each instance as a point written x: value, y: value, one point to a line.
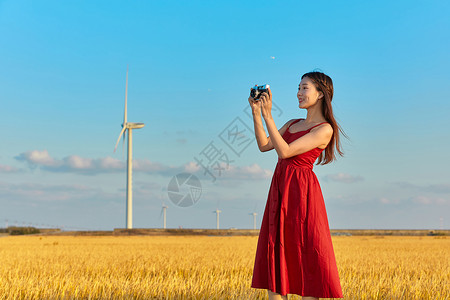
x: 314, y: 114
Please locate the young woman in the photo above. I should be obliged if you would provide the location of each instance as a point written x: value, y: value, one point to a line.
x: 295, y: 253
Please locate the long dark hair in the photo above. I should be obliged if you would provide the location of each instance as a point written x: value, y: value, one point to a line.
x: 324, y: 84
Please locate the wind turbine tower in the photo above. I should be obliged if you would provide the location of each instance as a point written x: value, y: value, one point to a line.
x: 163, y: 212
x: 254, y: 219
x: 128, y: 126
x: 217, y: 211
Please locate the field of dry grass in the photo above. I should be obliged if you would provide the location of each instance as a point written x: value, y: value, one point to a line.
x: 209, y: 267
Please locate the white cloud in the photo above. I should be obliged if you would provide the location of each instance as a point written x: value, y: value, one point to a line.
x: 252, y: 172
x: 384, y: 200
x: 111, y: 163
x: 390, y: 200
x: 231, y: 172
x: 77, y: 162
x: 148, y: 166
x: 343, y: 177
x: 191, y: 167
x: 417, y: 199
x: 36, y: 157
x: 90, y: 166
x: 434, y: 188
x: 8, y: 169
x: 422, y: 199
x: 82, y: 165
x: 72, y: 163
x: 32, y: 192
x: 429, y: 200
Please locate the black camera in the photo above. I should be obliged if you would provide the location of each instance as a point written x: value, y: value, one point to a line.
x: 257, y: 90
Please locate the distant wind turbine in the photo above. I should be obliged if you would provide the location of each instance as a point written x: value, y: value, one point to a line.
x: 217, y: 211
x: 128, y: 126
x: 163, y: 212
x: 254, y: 214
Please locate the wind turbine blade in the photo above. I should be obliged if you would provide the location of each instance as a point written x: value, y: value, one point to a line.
x: 161, y: 213
x: 118, y: 140
x: 126, y: 93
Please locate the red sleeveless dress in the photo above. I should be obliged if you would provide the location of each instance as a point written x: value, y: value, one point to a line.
x: 295, y: 253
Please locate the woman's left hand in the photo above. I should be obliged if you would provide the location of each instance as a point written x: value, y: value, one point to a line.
x: 266, y: 104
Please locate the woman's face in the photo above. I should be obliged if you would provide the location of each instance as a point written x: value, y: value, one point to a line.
x: 307, y: 93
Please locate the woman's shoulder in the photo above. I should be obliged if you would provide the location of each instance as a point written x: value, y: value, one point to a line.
x: 286, y: 125
x: 324, y: 127
x: 292, y: 121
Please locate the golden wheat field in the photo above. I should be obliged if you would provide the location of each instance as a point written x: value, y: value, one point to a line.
x: 208, y: 267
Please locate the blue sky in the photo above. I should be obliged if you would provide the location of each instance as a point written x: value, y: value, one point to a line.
x: 191, y: 65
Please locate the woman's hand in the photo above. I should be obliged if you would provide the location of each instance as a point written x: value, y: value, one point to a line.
x: 266, y: 104
x: 255, y: 105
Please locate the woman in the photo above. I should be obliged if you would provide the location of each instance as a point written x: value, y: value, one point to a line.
x: 295, y: 253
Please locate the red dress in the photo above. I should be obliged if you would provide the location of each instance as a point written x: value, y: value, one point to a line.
x: 295, y: 254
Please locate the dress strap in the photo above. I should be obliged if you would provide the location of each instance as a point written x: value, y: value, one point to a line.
x: 317, y: 125
x: 293, y: 123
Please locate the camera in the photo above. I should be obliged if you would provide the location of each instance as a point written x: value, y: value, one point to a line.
x: 257, y: 90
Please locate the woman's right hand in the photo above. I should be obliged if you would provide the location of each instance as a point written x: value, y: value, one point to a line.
x: 255, y: 105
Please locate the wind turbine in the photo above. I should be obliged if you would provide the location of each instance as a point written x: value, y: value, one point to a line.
x: 128, y: 126
x: 254, y: 219
x: 163, y: 212
x: 254, y: 214
x: 217, y: 211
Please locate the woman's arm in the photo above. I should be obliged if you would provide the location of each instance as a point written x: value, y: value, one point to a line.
x: 318, y: 136
x: 265, y: 143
